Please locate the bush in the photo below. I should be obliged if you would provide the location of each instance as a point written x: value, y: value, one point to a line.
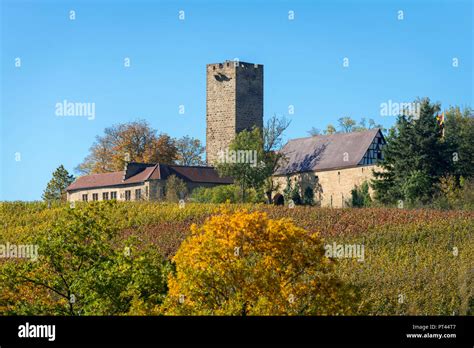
x: 175, y: 189
x: 455, y: 194
x: 360, y: 196
x: 246, y: 264
x: 308, y: 196
x: 292, y: 192
x: 225, y: 194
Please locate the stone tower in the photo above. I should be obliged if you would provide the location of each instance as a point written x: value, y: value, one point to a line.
x: 234, y: 102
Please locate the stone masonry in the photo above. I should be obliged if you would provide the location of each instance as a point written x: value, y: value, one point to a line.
x: 234, y: 103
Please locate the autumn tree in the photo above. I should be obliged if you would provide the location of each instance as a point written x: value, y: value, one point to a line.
x: 128, y: 142
x: 189, y: 151
x: 247, y: 264
x: 56, y: 188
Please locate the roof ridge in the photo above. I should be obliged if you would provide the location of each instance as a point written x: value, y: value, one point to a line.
x: 339, y: 133
x: 151, y: 173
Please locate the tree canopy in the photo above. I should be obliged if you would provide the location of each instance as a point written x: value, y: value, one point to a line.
x: 417, y: 155
x: 138, y: 142
x: 56, y: 188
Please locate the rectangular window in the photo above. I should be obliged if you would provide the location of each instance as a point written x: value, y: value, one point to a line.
x: 138, y: 194
x: 113, y: 195
x: 95, y: 196
x: 84, y: 197
x: 128, y: 195
x: 105, y: 196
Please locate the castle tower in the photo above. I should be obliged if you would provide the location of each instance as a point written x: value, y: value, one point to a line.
x: 234, y: 102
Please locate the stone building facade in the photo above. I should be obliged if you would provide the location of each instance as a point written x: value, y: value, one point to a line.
x: 330, y: 165
x: 140, y: 181
x: 234, y: 93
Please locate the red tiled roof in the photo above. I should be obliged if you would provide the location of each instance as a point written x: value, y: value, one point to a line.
x: 153, y: 172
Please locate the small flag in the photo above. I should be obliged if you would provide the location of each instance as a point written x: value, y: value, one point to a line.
x: 440, y: 119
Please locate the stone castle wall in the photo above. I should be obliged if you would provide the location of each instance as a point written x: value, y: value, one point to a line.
x: 332, y: 188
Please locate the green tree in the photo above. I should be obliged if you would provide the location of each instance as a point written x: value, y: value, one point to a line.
x: 56, y: 188
x: 415, y: 157
x: 84, y: 269
x: 459, y: 138
x: 175, y: 189
x: 245, y: 164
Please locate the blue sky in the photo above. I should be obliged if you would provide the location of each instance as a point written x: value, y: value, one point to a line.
x: 82, y: 60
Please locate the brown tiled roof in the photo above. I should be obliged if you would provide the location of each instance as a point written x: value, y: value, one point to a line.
x: 325, y: 152
x: 198, y: 174
x: 152, y: 172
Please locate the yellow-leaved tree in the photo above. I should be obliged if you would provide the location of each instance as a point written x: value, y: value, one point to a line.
x: 246, y: 264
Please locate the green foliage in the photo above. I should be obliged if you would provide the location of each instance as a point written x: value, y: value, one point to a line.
x: 225, y: 194
x: 346, y: 125
x: 455, y: 194
x: 416, y: 187
x: 308, y: 196
x: 56, y: 188
x: 414, y: 158
x: 82, y: 271
x: 175, y: 189
x: 245, y: 174
x: 360, y: 196
x: 459, y: 138
x: 292, y: 192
